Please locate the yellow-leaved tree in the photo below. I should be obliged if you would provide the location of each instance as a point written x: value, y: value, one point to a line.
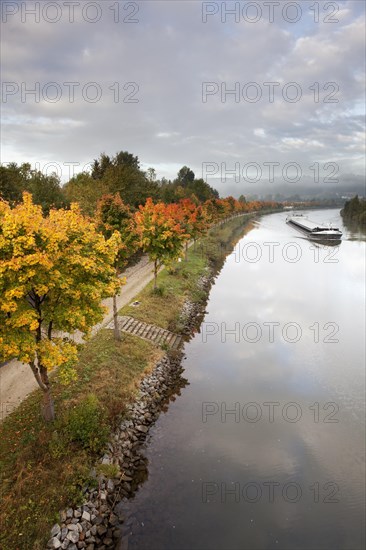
x: 54, y: 273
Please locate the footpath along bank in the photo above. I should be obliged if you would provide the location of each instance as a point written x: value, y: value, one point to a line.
x: 89, y: 459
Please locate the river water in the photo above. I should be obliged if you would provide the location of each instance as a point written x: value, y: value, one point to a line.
x: 264, y: 447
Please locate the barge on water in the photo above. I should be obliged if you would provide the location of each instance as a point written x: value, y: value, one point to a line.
x: 314, y: 230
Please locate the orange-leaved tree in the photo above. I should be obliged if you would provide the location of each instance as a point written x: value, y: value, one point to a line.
x: 191, y: 218
x: 161, y: 235
x: 198, y: 223
x: 54, y: 272
x: 114, y: 215
x: 214, y: 210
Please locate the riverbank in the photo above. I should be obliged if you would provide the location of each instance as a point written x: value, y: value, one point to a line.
x: 219, y: 434
x: 47, y: 467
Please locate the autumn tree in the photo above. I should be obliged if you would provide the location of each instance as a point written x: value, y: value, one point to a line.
x: 199, y: 223
x: 182, y: 217
x: 54, y: 273
x: 161, y: 235
x: 231, y: 204
x: 113, y: 215
x: 191, y: 218
x: 214, y: 210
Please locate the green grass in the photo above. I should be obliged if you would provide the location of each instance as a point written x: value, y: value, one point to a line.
x: 44, y: 466
x: 163, y: 307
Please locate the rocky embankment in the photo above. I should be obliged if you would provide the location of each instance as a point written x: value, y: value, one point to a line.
x: 99, y: 524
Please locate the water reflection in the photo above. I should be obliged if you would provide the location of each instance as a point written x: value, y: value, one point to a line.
x: 323, y: 243
x: 265, y: 448
x: 356, y: 231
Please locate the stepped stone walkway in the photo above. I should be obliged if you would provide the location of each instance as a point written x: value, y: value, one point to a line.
x: 152, y: 333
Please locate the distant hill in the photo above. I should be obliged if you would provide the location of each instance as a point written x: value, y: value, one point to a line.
x: 306, y: 189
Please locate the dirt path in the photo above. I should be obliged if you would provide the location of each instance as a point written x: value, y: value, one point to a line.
x: 17, y: 380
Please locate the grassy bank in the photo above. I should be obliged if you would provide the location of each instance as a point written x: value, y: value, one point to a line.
x: 44, y: 467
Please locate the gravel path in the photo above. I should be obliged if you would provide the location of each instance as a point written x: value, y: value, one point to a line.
x: 17, y: 380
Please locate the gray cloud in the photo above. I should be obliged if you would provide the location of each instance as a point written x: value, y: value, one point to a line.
x: 169, y: 54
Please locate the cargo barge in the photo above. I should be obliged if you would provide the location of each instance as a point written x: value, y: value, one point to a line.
x: 314, y: 230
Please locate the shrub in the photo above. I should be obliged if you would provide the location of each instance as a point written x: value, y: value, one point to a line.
x: 86, y: 424
x: 109, y: 471
x: 57, y: 445
x: 158, y: 291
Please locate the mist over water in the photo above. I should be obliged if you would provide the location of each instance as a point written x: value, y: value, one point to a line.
x: 264, y: 448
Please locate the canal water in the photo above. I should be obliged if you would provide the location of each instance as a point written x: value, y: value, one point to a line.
x: 264, y: 446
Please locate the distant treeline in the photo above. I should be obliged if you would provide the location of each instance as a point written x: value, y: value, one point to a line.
x: 109, y: 175
x: 354, y: 211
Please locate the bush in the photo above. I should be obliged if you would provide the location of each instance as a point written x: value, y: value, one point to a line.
x: 158, y: 291
x: 184, y: 273
x: 57, y: 445
x: 109, y: 471
x: 86, y: 424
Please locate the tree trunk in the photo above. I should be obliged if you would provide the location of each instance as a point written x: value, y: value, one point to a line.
x: 48, y: 409
x: 186, y: 252
x: 117, y: 333
x: 48, y: 405
x: 155, y: 274
x: 41, y: 375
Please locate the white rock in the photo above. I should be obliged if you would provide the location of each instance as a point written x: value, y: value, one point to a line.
x: 86, y: 516
x: 73, y: 536
x: 55, y: 530
x: 53, y: 543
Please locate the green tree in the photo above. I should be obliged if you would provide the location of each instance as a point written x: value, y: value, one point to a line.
x: 122, y: 174
x: 123, y: 158
x: 46, y: 189
x: 151, y: 174
x: 100, y: 166
x: 86, y: 191
x: 130, y: 183
x: 185, y: 176
x: 354, y: 212
x: 12, y: 182
x: 203, y: 190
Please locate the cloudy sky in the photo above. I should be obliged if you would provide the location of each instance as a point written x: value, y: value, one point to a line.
x: 186, y: 82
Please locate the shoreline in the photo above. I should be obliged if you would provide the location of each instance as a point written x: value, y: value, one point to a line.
x: 99, y: 523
